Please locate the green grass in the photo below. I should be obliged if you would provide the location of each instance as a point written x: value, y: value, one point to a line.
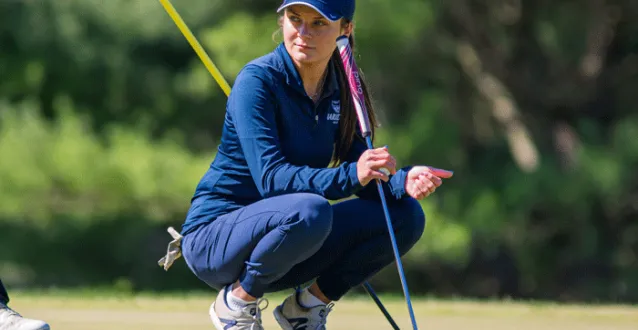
x: 103, y: 310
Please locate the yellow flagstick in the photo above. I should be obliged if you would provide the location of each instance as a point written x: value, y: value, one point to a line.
x: 196, y: 46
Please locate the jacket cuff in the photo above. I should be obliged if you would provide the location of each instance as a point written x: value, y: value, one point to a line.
x: 397, y: 182
x: 353, y: 179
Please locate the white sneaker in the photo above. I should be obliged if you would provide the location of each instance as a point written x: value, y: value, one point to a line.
x: 11, y: 320
x: 292, y: 316
x: 224, y: 318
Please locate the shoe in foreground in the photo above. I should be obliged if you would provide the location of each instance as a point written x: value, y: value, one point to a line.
x: 291, y: 315
x: 224, y: 318
x: 11, y: 320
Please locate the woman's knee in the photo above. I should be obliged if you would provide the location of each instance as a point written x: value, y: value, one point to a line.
x: 411, y: 220
x: 312, y: 214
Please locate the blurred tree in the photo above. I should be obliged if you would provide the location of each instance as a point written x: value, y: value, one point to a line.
x: 532, y: 103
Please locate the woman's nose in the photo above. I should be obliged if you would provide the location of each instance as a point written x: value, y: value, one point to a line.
x: 304, y: 31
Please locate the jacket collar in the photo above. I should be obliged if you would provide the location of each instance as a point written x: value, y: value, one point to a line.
x: 293, y: 78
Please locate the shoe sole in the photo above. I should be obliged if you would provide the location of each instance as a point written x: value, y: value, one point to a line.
x: 213, y: 316
x: 281, y: 319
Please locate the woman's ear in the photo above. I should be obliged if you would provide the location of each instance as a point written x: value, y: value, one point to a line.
x: 347, y: 29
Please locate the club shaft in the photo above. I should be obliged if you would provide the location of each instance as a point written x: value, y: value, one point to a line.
x: 397, y: 256
x: 374, y: 296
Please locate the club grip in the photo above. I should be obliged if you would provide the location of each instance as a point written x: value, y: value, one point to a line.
x: 354, y: 81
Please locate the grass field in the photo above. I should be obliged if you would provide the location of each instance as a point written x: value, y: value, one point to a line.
x: 92, y: 311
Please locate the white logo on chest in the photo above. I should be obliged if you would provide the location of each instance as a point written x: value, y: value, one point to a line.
x: 334, y: 114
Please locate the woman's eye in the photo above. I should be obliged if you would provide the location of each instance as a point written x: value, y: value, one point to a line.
x: 320, y: 23
x: 294, y: 19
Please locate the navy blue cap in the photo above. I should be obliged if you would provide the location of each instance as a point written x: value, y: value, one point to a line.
x: 332, y: 10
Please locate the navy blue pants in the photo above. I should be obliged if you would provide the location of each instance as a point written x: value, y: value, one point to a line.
x: 4, y: 296
x: 285, y: 241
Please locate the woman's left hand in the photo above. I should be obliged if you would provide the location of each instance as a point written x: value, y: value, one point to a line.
x: 422, y: 181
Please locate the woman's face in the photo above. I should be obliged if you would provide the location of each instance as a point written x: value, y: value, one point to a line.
x: 309, y: 37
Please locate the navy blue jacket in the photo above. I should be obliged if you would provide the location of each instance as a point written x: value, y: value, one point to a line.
x: 276, y: 141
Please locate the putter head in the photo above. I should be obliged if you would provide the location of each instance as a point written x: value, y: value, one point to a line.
x: 173, y: 251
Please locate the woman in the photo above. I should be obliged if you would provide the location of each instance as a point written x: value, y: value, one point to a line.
x: 260, y: 220
x: 10, y: 320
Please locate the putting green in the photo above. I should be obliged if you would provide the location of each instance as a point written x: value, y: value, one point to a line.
x: 74, y: 311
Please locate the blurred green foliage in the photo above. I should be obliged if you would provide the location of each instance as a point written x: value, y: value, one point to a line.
x: 108, y: 119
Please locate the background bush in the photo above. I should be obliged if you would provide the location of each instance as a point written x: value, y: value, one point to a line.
x: 108, y: 119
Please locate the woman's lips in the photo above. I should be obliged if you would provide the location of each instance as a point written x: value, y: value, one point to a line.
x: 304, y: 46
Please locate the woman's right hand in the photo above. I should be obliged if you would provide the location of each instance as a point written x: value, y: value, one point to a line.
x: 371, y: 162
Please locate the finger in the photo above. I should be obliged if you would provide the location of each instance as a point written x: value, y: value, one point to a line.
x: 374, y: 152
x: 423, y: 194
x: 380, y: 150
x: 435, y: 179
x: 389, y: 164
x: 377, y: 164
x: 441, y: 173
x: 378, y: 175
x: 379, y: 155
x: 427, y: 185
x: 392, y: 167
x: 426, y: 191
x: 393, y: 161
x: 414, y: 191
x: 431, y: 186
x: 367, y: 154
x: 420, y: 194
x: 421, y: 186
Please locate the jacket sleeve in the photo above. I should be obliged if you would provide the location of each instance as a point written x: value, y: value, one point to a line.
x: 394, y: 189
x: 252, y: 109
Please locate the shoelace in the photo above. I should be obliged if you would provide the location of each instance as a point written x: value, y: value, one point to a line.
x: 257, y: 317
x: 324, y: 317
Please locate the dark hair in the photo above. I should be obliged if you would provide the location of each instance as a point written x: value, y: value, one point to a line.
x: 348, y: 120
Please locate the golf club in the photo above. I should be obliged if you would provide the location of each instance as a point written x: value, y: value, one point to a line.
x: 352, y: 71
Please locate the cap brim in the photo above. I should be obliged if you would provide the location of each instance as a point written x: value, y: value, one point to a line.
x: 307, y: 5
